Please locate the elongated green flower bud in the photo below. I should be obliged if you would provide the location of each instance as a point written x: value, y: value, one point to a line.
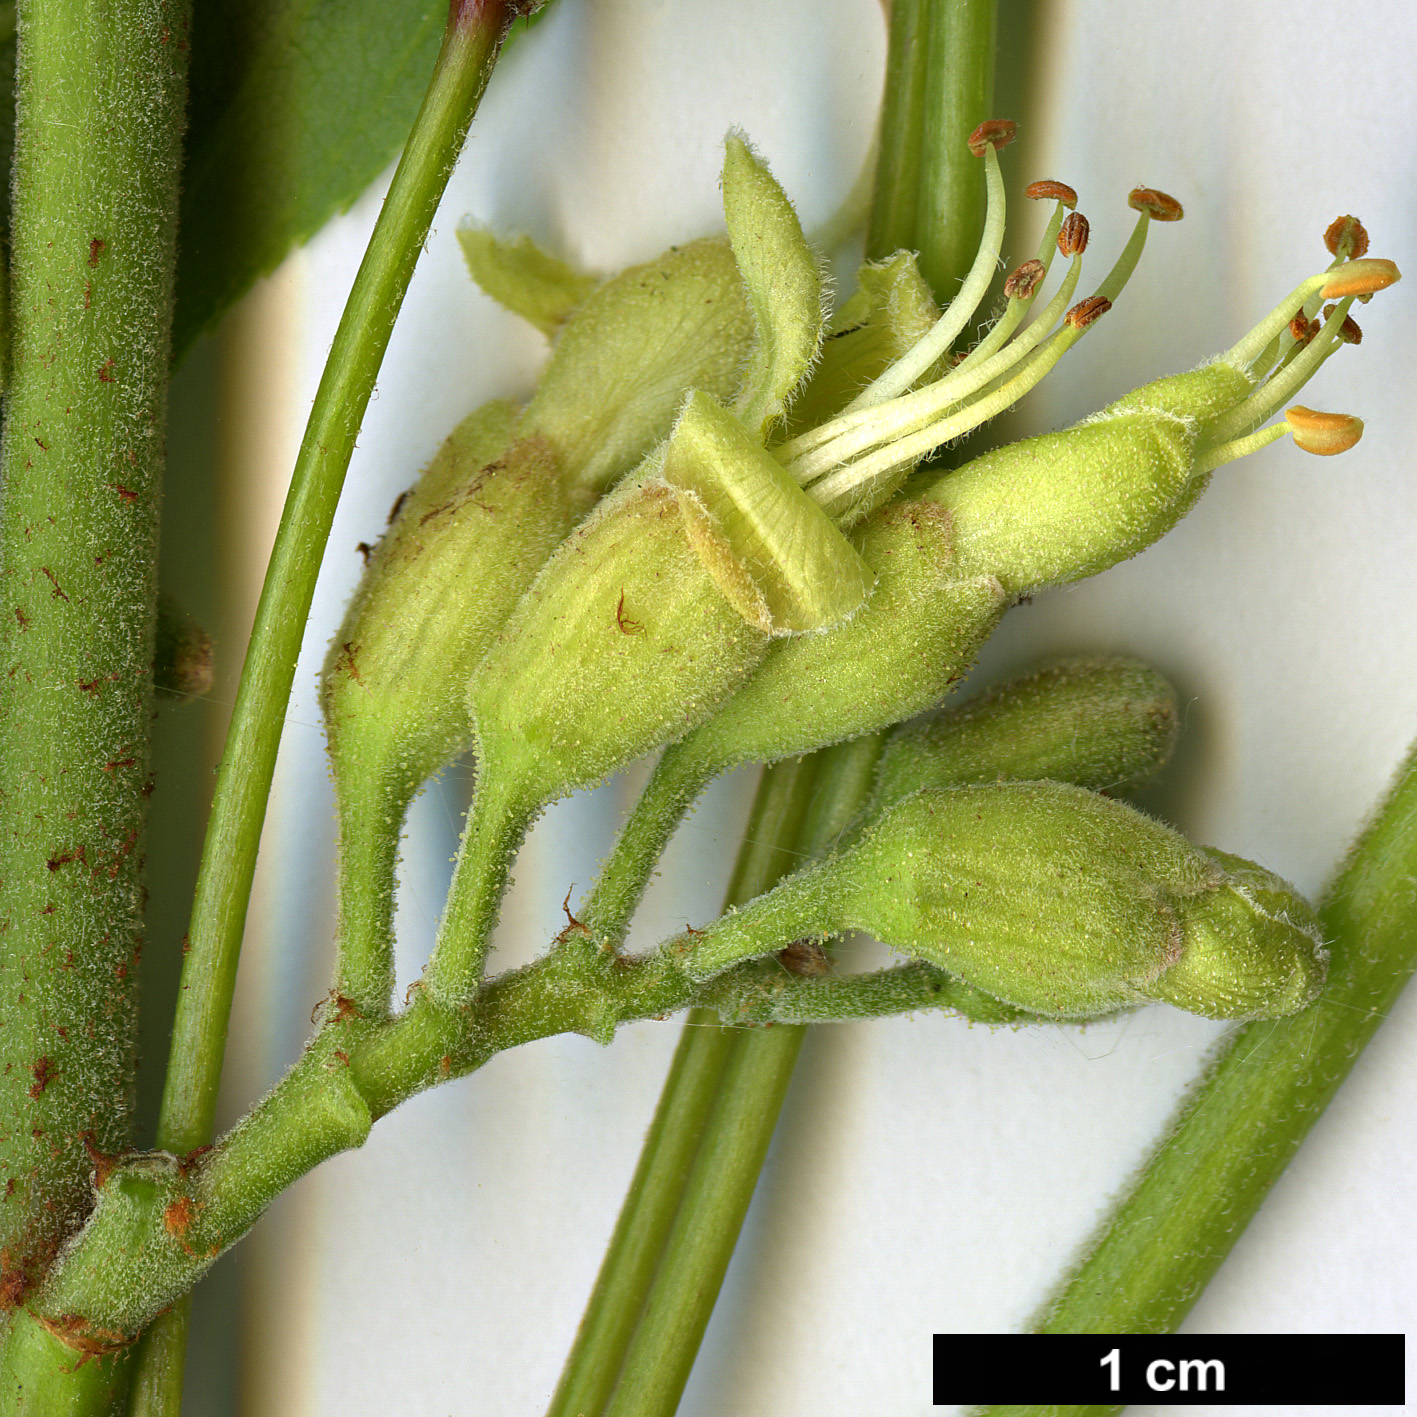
x: 465, y: 544
x: 1050, y: 898
x: 1097, y: 723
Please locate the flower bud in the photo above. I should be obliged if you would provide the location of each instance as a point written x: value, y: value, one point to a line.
x: 913, y: 639
x: 1098, y: 723
x: 1050, y: 898
x: 623, y: 642
x: 1062, y: 506
x: 607, y: 658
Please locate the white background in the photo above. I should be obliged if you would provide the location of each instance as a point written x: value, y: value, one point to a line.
x: 927, y: 1176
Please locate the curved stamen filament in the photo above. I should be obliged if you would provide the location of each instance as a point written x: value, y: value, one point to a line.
x: 1286, y: 383
x: 1018, y: 306
x: 817, y: 452
x: 1240, y: 447
x: 915, y: 361
x: 1274, y: 325
x: 848, y: 483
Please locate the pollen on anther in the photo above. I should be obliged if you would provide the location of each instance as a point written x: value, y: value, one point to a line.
x: 1323, y: 434
x: 1058, y: 191
x: 1346, y: 231
x: 1302, y: 330
x: 1157, y: 205
x: 1025, y: 280
x: 1073, y: 234
x: 1087, y: 312
x: 993, y: 133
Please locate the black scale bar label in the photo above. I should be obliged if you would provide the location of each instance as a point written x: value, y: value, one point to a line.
x: 1259, y: 1370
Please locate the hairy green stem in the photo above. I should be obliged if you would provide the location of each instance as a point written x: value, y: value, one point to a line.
x: 161, y: 1221
x: 687, y: 1101
x: 717, y: 1192
x: 475, y: 30
x: 101, y: 90
x: 1238, y: 1128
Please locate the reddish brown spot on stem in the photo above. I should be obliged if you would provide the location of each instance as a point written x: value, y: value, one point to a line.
x: 96, y: 249
x: 104, y: 374
x: 119, y: 763
x: 58, y: 592
x: 125, y: 493
x: 22, y: 618
x: 44, y: 1072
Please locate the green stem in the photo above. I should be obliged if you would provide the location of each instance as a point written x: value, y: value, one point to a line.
x: 471, y: 41
x: 1246, y: 1118
x: 939, y: 88
x: 687, y: 1101
x: 475, y: 29
x: 101, y: 89
x: 737, y: 1132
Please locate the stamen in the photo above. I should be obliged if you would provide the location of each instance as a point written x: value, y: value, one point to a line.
x: 1239, y: 448
x: 1359, y: 278
x: 1245, y: 353
x: 1088, y: 312
x: 915, y: 361
x: 1018, y: 301
x: 1301, y: 331
x: 1346, y: 238
x: 1288, y: 381
x: 1024, y: 282
x: 1349, y: 332
x: 992, y: 133
x: 1072, y: 236
x: 1059, y: 191
x: 849, y: 483
x: 1323, y: 434
x: 1159, y: 206
x: 822, y: 449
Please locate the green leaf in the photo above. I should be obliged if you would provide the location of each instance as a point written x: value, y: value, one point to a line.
x: 296, y: 107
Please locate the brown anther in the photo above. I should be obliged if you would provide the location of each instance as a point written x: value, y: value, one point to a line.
x: 1303, y: 330
x: 1059, y: 191
x: 806, y: 958
x: 1157, y: 205
x: 1087, y: 312
x: 993, y: 133
x: 1322, y: 434
x: 1073, y: 235
x: 1350, y: 332
x: 1025, y: 280
x: 1361, y: 278
x: 1347, y: 237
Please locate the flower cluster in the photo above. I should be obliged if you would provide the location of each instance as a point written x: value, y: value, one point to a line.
x: 710, y: 533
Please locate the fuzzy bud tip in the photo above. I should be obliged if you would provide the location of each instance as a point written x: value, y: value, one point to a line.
x: 1323, y: 434
x: 1025, y: 280
x: 993, y: 133
x: 1073, y: 234
x: 1346, y: 237
x: 1361, y: 278
x: 1088, y: 312
x: 1058, y: 191
x: 1157, y: 205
